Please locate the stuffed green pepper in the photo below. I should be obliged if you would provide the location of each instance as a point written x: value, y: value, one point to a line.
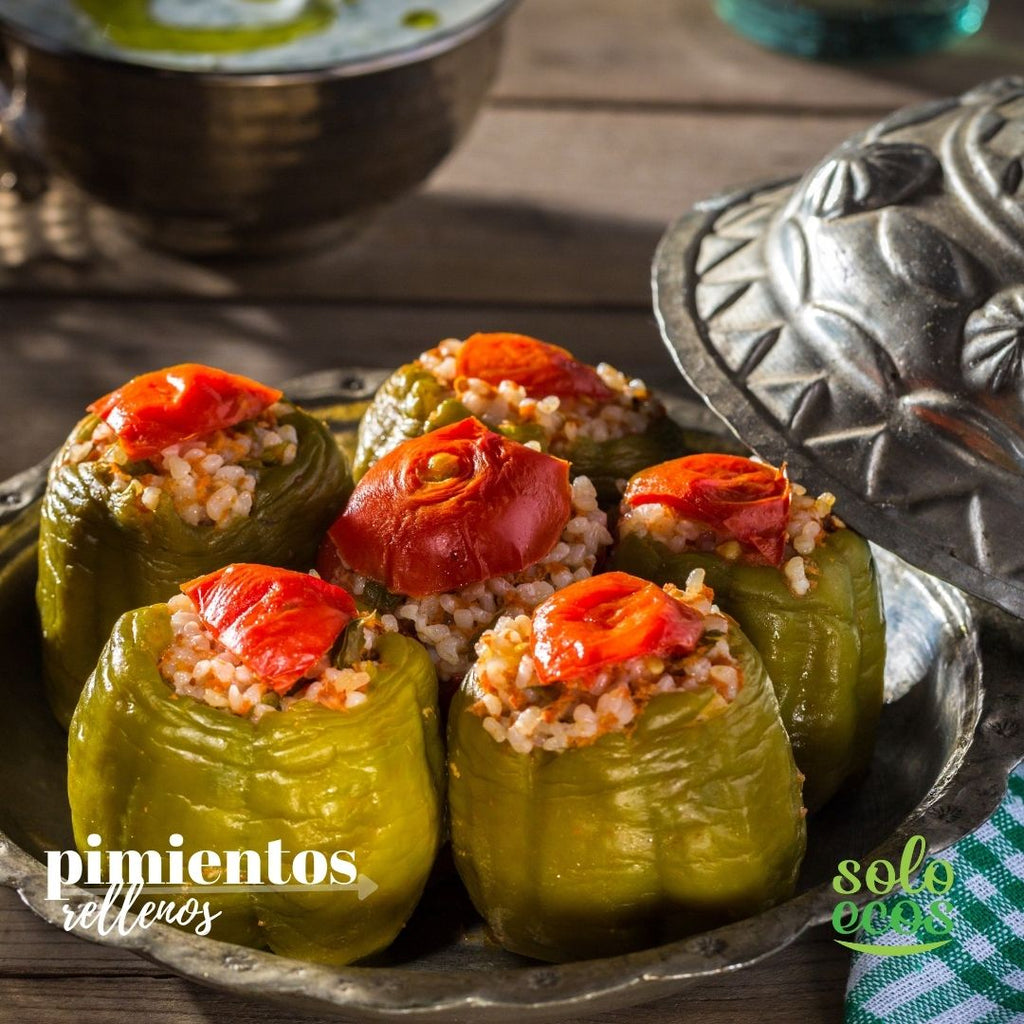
x: 452, y: 529
x: 173, y: 475
x: 606, y: 425
x: 619, y: 775
x: 800, y: 583
x: 252, y: 710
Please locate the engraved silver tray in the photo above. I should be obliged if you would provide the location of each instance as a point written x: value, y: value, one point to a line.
x: 950, y: 733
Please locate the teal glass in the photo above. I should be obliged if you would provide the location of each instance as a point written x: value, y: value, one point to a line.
x: 853, y: 29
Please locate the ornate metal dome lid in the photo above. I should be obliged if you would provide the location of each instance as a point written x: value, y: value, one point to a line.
x: 865, y: 324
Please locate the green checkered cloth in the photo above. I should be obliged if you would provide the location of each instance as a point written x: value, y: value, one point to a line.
x: 979, y: 976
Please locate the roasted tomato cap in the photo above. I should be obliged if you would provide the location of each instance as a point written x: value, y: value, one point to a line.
x: 279, y: 622
x: 537, y: 366
x: 606, y: 620
x: 453, y: 507
x: 747, y: 500
x: 179, y: 403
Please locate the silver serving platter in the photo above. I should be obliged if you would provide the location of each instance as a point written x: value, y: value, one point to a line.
x: 950, y: 733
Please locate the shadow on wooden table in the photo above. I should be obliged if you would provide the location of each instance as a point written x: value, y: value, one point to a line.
x: 438, y: 248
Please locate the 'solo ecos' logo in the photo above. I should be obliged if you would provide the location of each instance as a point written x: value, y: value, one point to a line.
x: 927, y: 923
x: 181, y: 879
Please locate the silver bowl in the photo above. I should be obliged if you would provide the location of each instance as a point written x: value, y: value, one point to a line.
x: 208, y: 163
x: 950, y: 732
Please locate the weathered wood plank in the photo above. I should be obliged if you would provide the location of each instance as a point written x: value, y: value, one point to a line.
x: 59, y: 356
x: 677, y: 53
x: 48, y: 977
x: 552, y: 207
x: 31, y: 948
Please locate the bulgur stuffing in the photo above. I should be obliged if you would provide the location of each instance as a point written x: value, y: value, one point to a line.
x: 210, y: 481
x: 810, y: 521
x: 516, y: 707
x: 198, y: 665
x: 447, y: 624
x: 562, y: 420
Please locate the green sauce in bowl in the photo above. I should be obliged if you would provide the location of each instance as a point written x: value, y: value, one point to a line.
x: 244, y: 35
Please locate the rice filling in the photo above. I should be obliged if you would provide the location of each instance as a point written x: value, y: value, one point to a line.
x: 209, y: 481
x: 518, y: 709
x: 448, y: 624
x: 197, y: 665
x: 562, y: 420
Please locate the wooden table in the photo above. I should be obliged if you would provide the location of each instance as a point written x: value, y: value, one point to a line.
x: 609, y: 119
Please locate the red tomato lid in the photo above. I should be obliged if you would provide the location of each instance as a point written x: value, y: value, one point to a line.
x: 179, y: 403
x: 279, y: 622
x: 746, y: 500
x: 537, y: 366
x: 606, y: 620
x: 453, y: 507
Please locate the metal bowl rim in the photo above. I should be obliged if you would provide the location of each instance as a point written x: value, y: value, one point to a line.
x: 357, y: 66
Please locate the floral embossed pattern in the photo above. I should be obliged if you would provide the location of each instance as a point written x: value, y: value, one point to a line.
x: 993, y: 353
x: 869, y: 177
x: 868, y: 320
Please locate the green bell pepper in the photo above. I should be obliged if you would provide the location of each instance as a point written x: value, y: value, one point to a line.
x: 412, y: 402
x: 824, y: 651
x: 102, y: 553
x: 405, y: 406
x: 144, y: 763
x: 688, y: 820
